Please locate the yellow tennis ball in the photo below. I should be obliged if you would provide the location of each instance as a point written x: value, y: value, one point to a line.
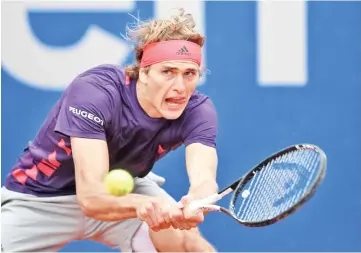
x: 119, y: 182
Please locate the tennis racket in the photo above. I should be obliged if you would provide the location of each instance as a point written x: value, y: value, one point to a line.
x: 272, y: 190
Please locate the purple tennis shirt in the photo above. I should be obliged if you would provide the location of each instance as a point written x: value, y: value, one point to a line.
x: 100, y: 104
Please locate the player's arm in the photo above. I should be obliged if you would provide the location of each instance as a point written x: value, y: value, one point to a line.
x: 201, y: 128
x: 91, y: 165
x: 201, y: 163
x: 84, y: 114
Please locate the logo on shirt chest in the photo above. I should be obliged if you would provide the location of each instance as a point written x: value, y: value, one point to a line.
x: 164, y: 149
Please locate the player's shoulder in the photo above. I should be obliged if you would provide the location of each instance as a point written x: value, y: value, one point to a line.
x: 105, y: 74
x: 199, y: 101
x: 104, y: 81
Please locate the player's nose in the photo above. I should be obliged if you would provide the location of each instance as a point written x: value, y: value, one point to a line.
x: 179, y: 85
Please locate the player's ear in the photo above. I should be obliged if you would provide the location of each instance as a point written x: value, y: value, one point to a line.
x: 143, y: 75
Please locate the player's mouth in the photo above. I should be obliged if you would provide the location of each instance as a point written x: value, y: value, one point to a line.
x: 175, y: 102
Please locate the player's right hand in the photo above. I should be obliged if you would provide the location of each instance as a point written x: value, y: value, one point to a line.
x: 156, y: 212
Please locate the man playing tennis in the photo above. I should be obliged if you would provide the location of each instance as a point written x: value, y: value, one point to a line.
x: 111, y: 117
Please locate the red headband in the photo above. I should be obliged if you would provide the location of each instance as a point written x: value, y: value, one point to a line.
x: 171, y: 50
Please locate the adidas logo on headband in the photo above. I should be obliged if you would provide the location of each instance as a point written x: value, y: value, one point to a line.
x: 183, y: 51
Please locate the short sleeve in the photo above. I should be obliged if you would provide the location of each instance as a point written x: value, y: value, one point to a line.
x: 85, y: 110
x: 201, y: 125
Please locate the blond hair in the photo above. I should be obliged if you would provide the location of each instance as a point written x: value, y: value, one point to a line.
x: 178, y: 27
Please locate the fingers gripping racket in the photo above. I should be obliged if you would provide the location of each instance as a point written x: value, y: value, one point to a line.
x: 273, y: 189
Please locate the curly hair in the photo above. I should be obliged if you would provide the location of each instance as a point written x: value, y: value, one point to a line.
x: 178, y: 27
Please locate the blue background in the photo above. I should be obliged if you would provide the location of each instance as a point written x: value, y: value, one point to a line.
x: 254, y: 121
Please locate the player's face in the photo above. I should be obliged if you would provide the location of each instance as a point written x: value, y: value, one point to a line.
x: 170, y: 86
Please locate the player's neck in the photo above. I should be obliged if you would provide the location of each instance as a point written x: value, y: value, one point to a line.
x: 144, y: 102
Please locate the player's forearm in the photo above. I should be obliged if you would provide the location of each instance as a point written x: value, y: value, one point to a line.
x: 105, y: 207
x: 203, y: 180
x: 203, y: 188
x: 202, y: 164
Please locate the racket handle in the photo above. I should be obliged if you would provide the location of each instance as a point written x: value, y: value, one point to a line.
x: 202, y: 208
x: 207, y: 203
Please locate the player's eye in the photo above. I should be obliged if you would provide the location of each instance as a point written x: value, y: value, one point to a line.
x: 166, y: 72
x: 189, y: 73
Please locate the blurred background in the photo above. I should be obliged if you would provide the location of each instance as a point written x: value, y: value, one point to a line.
x: 279, y: 73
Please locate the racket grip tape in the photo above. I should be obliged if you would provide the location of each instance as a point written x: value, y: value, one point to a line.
x: 208, y: 202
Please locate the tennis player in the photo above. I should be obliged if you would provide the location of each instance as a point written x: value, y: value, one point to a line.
x: 113, y: 117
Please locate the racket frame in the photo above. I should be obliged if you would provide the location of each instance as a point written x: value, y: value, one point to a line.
x: 238, y: 185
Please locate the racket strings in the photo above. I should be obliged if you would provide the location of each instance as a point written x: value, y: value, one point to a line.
x: 291, y: 176
x: 304, y: 162
x: 303, y: 168
x: 295, y: 179
x: 258, y: 197
x: 246, y: 203
x: 272, y: 187
x: 262, y: 203
x: 315, y: 161
x: 277, y: 186
x: 262, y: 193
x: 255, y: 193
